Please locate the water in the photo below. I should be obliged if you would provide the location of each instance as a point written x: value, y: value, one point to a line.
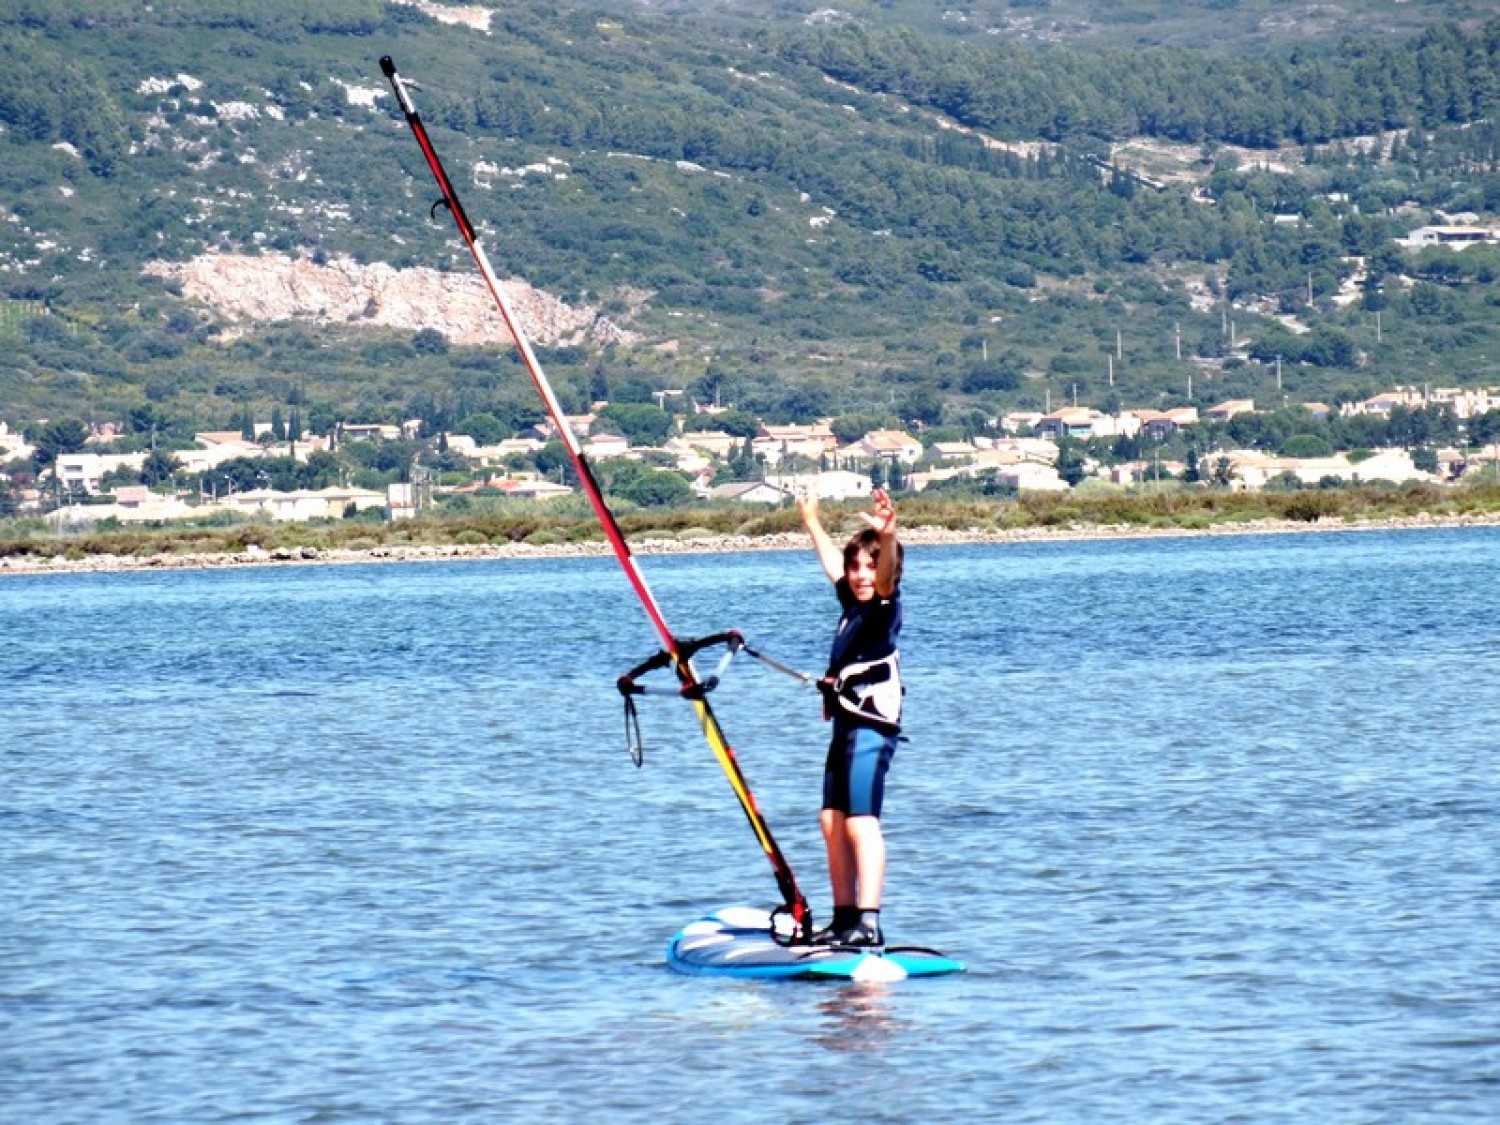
x: 1213, y: 821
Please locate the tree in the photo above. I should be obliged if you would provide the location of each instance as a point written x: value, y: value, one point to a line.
x: 484, y: 428
x: 641, y: 423
x: 1069, y: 462
x: 1306, y: 445
x: 158, y: 468
x: 643, y: 485
x: 58, y: 439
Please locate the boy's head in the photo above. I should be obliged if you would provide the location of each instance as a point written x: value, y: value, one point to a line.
x: 861, y: 556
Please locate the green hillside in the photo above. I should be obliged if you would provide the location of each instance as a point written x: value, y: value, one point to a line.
x: 875, y: 212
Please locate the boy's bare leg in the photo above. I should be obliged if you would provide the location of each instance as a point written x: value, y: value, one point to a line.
x: 867, y: 844
x: 843, y: 865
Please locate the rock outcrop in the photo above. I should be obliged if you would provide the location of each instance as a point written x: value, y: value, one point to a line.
x: 271, y: 287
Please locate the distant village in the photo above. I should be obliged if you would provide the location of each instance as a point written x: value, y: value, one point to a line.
x: 1022, y: 455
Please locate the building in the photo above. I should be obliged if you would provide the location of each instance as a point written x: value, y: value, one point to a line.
x: 1227, y: 410
x: 303, y: 504
x: 773, y: 443
x: 85, y: 472
x: 749, y: 492
x: 715, y: 443
x: 887, y: 445
x: 603, y: 446
x: 1454, y: 237
x: 831, y: 484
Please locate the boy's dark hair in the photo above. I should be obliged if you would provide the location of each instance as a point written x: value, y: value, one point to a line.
x: 869, y: 540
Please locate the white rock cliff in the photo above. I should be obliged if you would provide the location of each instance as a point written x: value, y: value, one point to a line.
x: 271, y: 287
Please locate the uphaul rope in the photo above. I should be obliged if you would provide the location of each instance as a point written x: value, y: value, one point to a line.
x: 677, y: 653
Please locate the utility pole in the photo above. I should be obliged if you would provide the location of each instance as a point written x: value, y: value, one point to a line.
x: 1177, y: 333
x: 1111, y: 369
x: 1278, y: 373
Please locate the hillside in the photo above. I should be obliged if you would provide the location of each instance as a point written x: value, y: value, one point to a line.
x: 867, y: 210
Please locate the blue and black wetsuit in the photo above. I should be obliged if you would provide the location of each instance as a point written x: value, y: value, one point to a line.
x: 863, y: 694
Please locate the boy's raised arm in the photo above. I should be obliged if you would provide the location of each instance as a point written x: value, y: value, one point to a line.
x: 882, y: 519
x: 829, y: 556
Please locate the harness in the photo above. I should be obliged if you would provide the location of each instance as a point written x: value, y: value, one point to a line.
x: 869, y: 690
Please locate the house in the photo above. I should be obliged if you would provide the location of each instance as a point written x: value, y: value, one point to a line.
x: 303, y: 504
x: 831, y: 484
x: 1160, y: 424
x: 715, y: 443
x: 1390, y: 465
x: 400, y: 501
x: 13, y: 445
x: 84, y: 472
x: 217, y: 448
x: 1069, y: 422
x: 580, y: 424
x: 1021, y: 422
x: 1154, y: 424
x: 954, y: 450
x: 749, y: 492
x: 131, y: 504
x: 604, y: 446
x: 1014, y: 451
x: 531, y: 487
x: 1466, y: 403
x: 368, y: 431
x: 1387, y: 401
x: 1031, y: 477
x: 1227, y: 410
x: 1454, y: 237
x: 889, y: 445
x: 773, y: 443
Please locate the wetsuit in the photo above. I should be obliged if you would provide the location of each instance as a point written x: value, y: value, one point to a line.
x: 863, y: 697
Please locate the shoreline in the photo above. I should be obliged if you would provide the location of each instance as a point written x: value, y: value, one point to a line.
x: 708, y: 544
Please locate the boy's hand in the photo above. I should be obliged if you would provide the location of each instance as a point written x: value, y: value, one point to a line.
x: 882, y: 514
x: 807, y: 505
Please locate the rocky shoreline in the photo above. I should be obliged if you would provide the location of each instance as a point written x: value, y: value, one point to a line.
x: 705, y: 544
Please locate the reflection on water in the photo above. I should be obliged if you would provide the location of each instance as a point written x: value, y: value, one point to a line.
x: 859, y: 1017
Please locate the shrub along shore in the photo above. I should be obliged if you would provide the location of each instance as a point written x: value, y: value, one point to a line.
x: 550, y: 531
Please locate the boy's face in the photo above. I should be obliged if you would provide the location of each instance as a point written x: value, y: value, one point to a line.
x: 860, y: 571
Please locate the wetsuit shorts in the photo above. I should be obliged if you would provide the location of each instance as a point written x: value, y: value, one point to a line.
x: 854, y: 775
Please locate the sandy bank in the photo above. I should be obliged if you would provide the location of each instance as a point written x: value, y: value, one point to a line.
x: 708, y: 544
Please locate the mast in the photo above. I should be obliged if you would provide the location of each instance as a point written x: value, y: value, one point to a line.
x: 680, y: 658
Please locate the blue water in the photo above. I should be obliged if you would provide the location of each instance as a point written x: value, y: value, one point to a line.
x: 1213, y: 822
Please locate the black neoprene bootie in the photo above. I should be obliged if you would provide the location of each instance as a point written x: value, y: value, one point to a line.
x: 865, y: 933
x: 844, y: 918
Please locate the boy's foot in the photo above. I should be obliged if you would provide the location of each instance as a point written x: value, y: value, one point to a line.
x: 843, y: 918
x: 861, y: 935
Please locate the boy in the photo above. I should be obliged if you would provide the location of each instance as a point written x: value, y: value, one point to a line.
x: 862, y: 695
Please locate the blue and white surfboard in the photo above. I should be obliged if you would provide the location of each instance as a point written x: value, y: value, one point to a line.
x: 738, y: 941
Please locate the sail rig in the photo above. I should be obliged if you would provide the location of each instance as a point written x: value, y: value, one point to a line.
x: 676, y: 652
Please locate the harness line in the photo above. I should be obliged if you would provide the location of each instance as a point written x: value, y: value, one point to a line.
x: 794, y: 902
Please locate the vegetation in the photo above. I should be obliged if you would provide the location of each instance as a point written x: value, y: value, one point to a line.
x: 1085, y: 511
x: 888, y: 212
